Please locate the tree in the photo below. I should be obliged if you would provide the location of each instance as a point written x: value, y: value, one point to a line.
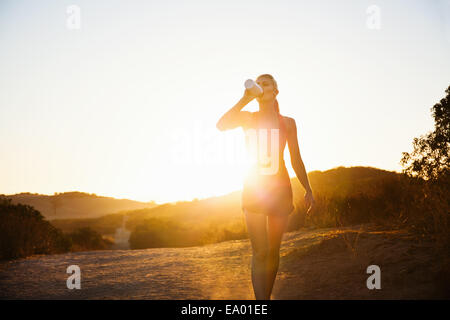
x: 430, y: 158
x: 24, y: 231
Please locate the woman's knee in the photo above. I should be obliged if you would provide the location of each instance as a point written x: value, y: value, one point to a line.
x: 260, y: 255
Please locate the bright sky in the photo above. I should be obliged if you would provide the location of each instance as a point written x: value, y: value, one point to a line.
x: 126, y: 105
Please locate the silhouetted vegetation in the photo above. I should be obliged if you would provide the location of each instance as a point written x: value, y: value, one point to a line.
x: 430, y: 158
x: 418, y: 199
x: 23, y: 232
x: 84, y: 239
x: 105, y: 225
x: 344, y: 198
x: 429, y: 163
x: 156, y: 233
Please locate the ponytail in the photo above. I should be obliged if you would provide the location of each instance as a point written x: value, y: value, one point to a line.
x: 280, y: 118
x: 277, y: 107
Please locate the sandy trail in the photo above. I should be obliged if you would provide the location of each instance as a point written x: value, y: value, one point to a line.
x: 319, y: 264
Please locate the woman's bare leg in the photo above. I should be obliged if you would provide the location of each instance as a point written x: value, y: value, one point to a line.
x: 257, y: 230
x: 276, y: 228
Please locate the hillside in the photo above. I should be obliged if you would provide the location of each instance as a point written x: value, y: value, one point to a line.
x: 220, y: 218
x: 74, y: 205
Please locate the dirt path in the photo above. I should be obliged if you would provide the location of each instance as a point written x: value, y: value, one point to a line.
x: 317, y: 264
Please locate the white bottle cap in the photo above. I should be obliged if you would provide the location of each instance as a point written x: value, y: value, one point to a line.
x: 249, y: 84
x: 253, y: 87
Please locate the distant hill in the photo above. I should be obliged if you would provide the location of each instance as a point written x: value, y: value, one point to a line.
x: 75, y: 205
x: 342, y: 181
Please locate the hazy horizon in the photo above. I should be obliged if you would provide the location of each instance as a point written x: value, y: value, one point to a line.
x: 126, y: 106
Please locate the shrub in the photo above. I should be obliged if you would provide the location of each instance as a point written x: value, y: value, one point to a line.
x: 84, y: 239
x: 24, y: 232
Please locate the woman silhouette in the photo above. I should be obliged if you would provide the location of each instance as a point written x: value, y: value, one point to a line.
x: 267, y: 193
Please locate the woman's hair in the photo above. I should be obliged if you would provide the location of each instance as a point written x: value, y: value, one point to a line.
x: 275, y: 85
x: 277, y: 107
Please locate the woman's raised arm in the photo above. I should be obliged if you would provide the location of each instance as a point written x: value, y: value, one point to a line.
x: 235, y: 117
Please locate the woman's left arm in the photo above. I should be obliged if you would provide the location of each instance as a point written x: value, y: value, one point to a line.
x: 296, y: 159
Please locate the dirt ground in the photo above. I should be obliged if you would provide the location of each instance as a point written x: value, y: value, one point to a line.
x: 336, y: 267
x: 315, y: 264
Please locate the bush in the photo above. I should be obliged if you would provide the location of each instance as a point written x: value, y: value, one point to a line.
x: 157, y: 233
x: 164, y: 232
x: 24, y: 232
x: 84, y: 239
x: 394, y: 202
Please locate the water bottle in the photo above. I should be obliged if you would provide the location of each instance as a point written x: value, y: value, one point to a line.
x: 253, y: 87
